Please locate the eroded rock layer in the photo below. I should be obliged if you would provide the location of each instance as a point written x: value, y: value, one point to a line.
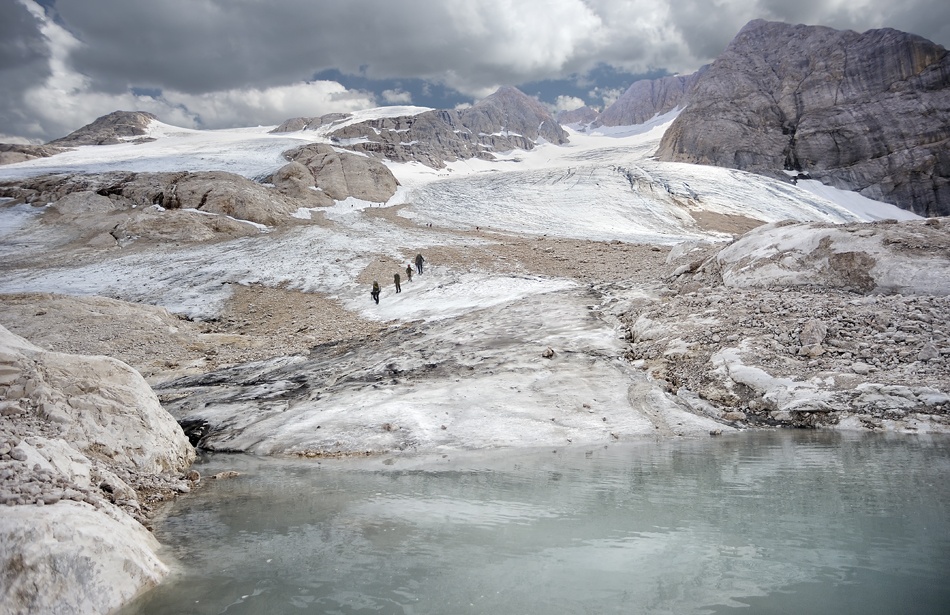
x: 866, y: 112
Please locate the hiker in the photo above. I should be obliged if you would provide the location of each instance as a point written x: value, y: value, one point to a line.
x: 419, y: 261
x: 396, y: 282
x: 409, y: 272
x: 375, y: 292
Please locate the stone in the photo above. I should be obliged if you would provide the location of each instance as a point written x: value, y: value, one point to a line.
x: 68, y: 557
x: 813, y: 332
x: 296, y: 181
x: 225, y: 475
x: 862, y: 369
x: 13, y: 153
x: 928, y: 353
x: 338, y: 174
x: 548, y: 353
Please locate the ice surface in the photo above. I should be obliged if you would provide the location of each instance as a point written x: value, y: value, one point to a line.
x: 602, y: 186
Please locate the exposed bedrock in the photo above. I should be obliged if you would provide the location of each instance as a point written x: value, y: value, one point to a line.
x: 866, y: 112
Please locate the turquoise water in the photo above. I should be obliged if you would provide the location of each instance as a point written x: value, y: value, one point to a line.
x: 775, y: 522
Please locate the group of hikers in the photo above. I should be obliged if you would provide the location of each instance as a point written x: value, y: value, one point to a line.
x: 396, y: 280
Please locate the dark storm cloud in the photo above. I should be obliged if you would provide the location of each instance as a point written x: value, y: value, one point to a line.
x: 24, y: 60
x: 197, y: 46
x: 215, y: 63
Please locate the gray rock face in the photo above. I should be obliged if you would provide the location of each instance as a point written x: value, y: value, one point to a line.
x: 649, y: 97
x: 867, y: 112
x: 82, y: 438
x: 582, y: 116
x: 309, y: 123
x: 109, y: 209
x: 909, y: 258
x: 296, y: 181
x: 506, y: 120
x: 116, y: 127
x: 338, y: 175
x: 12, y: 153
x: 775, y: 328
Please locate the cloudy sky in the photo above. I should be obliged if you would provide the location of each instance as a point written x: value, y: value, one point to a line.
x: 225, y: 63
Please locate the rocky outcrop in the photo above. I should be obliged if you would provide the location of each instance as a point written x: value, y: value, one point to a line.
x: 309, y: 123
x: 866, y: 112
x: 12, y: 153
x: 107, y: 208
x: 807, y: 325
x: 337, y: 175
x: 117, y: 127
x: 582, y: 116
x: 86, y: 452
x: 504, y: 121
x: 648, y: 98
x: 910, y: 258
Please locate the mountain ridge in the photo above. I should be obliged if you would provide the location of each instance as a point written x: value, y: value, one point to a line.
x: 865, y: 112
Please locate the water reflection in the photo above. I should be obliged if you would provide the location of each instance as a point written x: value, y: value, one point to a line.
x: 792, y: 522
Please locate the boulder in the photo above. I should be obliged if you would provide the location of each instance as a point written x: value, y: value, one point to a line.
x: 338, y: 174
x: 70, y: 536
x: 71, y: 558
x: 813, y: 332
x: 83, y: 394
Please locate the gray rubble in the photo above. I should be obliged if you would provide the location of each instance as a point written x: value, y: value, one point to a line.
x: 803, y: 350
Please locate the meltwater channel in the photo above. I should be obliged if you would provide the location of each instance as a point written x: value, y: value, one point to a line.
x: 756, y: 522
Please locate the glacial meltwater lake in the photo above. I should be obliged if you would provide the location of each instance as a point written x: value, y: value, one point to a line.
x: 755, y: 522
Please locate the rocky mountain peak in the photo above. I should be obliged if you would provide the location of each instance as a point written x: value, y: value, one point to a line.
x: 866, y: 112
x: 647, y: 98
x: 580, y: 116
x: 115, y: 127
x: 504, y: 121
x: 511, y: 110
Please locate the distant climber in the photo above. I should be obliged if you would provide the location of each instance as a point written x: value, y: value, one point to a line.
x: 396, y: 282
x: 419, y: 261
x: 375, y: 292
x: 409, y: 272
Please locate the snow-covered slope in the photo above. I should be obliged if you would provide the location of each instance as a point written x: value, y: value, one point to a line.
x: 603, y: 186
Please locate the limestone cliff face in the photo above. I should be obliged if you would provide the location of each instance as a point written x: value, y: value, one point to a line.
x: 867, y: 112
x: 647, y: 98
x: 506, y: 120
x: 116, y: 127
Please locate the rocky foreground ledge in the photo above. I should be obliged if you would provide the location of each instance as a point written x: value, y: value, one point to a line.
x: 86, y: 452
x: 807, y: 325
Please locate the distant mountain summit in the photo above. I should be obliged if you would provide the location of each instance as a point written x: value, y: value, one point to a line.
x: 117, y: 127
x: 578, y: 117
x: 866, y: 112
x: 506, y: 120
x: 648, y: 98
